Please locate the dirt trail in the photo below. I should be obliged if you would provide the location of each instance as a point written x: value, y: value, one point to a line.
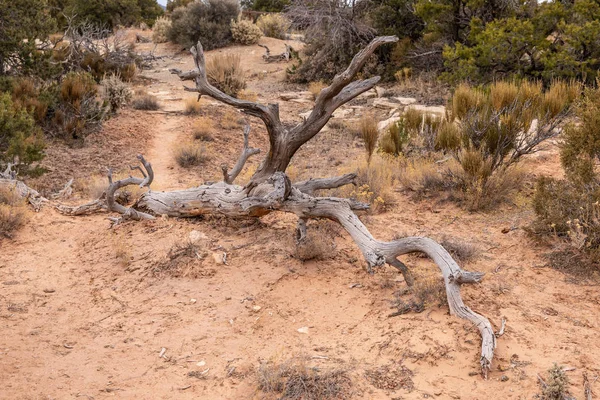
x: 86, y: 311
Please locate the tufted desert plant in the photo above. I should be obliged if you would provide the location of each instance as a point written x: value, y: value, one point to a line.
x: 225, y: 72
x: 161, y: 29
x: 115, y: 92
x: 245, y: 32
x: 274, y: 25
x: 189, y: 154
x: 367, y: 127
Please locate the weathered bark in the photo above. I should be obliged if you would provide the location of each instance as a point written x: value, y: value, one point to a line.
x: 247, y: 152
x: 270, y: 189
x: 284, y: 142
x: 21, y: 189
x: 285, y: 56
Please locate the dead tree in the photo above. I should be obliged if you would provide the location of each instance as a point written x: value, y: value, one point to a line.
x: 285, y: 56
x: 269, y: 189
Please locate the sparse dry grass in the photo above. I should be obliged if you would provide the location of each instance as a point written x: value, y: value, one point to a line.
x: 13, y: 212
x: 427, y: 291
x: 315, y: 88
x: 413, y: 120
x: 461, y: 250
x: 391, y: 377
x: 204, y: 129
x: 367, y: 127
x: 422, y: 176
x: 318, y: 244
x: 248, y: 95
x: 465, y: 99
x: 225, y: 72
x: 192, y: 106
x: 231, y: 120
x: 190, y: 154
x: 145, y: 101
x: 184, y: 260
x: 122, y: 252
x: 499, y: 187
x: 374, y: 182
x: 294, y: 380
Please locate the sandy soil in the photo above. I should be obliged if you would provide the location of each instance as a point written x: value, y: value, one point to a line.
x: 85, y: 312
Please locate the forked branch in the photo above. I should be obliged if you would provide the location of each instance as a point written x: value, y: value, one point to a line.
x: 246, y: 153
x: 269, y: 114
x: 112, y: 205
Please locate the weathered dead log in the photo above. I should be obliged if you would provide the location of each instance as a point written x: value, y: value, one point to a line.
x: 21, y: 189
x: 285, y: 56
x: 270, y: 189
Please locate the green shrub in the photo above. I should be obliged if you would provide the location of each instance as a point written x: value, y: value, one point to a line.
x: 274, y: 25
x: 224, y: 71
x: 21, y: 141
x: 569, y: 207
x: 208, y: 21
x: 245, y: 32
x: 25, y: 23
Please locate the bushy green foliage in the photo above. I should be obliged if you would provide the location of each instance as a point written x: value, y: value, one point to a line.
x: 274, y: 25
x: 22, y: 23
x: 111, y: 13
x: 245, y: 32
x: 570, y: 207
x: 208, y: 21
x: 21, y: 141
x: 559, y: 40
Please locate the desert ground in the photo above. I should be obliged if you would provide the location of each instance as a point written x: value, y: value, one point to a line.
x: 90, y: 311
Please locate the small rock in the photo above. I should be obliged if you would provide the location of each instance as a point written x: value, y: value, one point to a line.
x: 49, y: 290
x: 342, y: 113
x: 406, y: 100
x: 256, y: 308
x: 305, y: 114
x: 304, y: 329
x: 380, y: 91
x: 504, y: 378
x: 440, y: 110
x: 370, y: 94
x: 196, y: 236
x: 383, y: 125
x: 193, y: 301
x: 218, y: 258
x: 201, y: 363
x: 385, y: 103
